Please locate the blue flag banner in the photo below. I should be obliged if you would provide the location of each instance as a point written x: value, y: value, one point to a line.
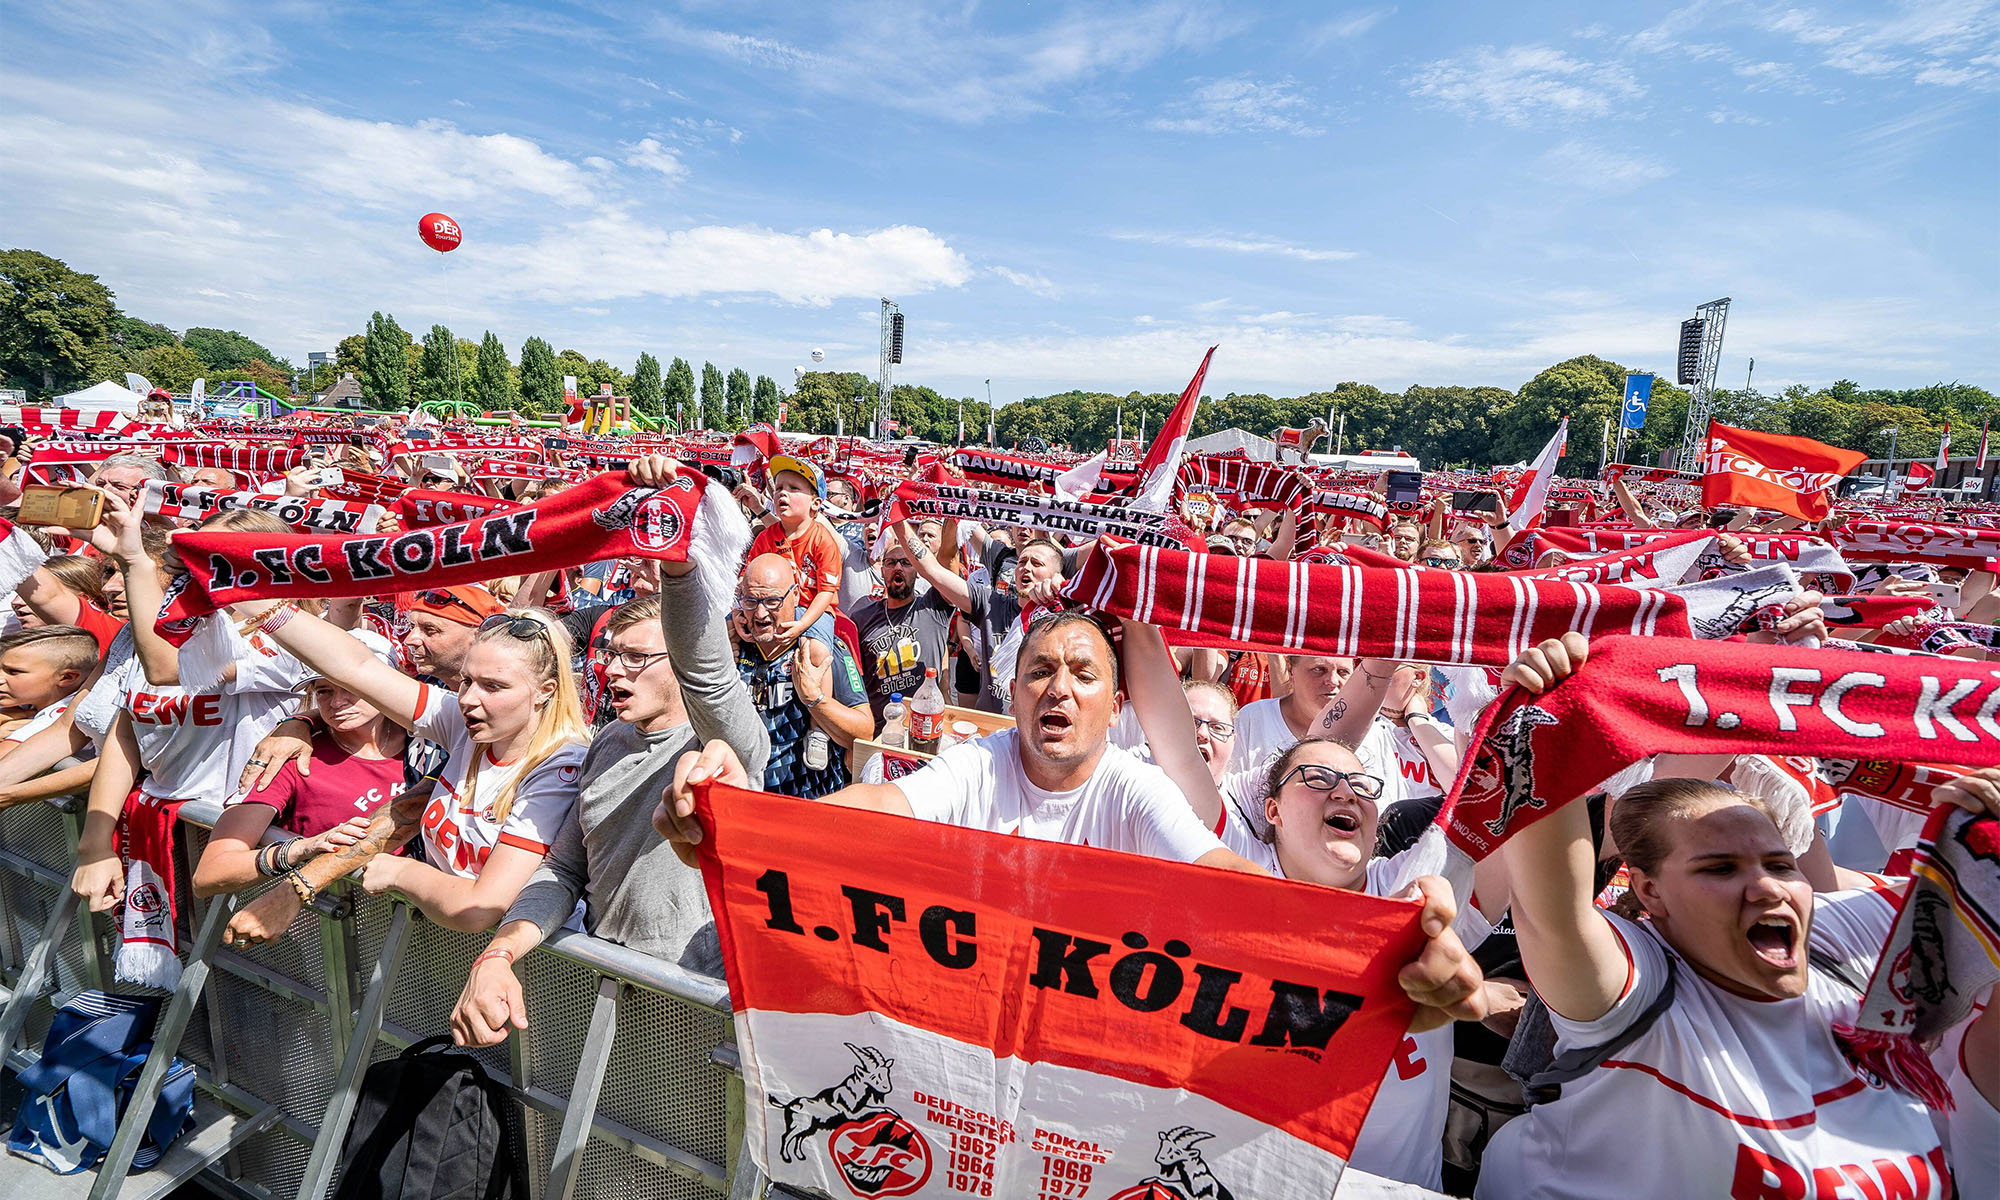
x: 1638, y: 393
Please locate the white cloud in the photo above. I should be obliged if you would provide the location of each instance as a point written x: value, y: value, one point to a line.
x: 649, y: 155
x: 1345, y: 27
x: 1039, y: 285
x: 1238, y: 245
x: 1240, y: 106
x: 382, y: 162
x: 1599, y: 168
x: 944, y: 64
x: 1938, y: 43
x: 1726, y: 115
x: 1523, y: 83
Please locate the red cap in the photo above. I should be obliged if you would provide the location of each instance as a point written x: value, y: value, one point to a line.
x: 466, y: 604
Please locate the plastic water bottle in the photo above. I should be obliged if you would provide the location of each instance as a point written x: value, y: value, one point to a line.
x: 895, y: 728
x: 927, y: 715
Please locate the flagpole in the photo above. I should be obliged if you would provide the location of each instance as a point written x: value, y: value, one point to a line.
x: 1604, y: 444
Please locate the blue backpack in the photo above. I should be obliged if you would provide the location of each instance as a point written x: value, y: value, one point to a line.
x: 90, y: 1062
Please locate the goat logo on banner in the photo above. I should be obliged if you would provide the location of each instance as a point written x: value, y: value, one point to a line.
x: 877, y: 1151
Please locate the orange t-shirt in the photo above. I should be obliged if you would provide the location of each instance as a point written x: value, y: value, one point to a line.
x: 98, y: 623
x: 815, y: 551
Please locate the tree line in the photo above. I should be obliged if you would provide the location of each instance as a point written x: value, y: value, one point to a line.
x: 61, y: 330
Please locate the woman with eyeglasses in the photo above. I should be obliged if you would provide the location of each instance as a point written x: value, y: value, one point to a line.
x: 514, y: 738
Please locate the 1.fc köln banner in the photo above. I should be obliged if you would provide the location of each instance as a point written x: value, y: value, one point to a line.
x: 1793, y: 475
x: 926, y: 1010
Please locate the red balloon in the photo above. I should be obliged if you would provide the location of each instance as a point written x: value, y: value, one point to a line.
x: 439, y: 232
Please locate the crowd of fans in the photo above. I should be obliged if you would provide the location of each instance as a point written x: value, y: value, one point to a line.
x: 518, y: 757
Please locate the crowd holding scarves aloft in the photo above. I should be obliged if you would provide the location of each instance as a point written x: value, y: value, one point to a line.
x: 1658, y: 601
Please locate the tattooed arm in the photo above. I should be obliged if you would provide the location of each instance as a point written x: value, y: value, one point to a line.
x: 1348, y: 716
x: 269, y: 915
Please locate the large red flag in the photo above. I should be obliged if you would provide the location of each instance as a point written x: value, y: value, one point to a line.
x: 1163, y: 458
x: 1792, y: 475
x: 931, y: 1011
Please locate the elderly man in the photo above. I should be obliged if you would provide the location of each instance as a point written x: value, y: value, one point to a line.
x: 799, y: 683
x: 124, y: 475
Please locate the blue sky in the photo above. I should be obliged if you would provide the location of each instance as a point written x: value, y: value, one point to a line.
x: 1058, y: 194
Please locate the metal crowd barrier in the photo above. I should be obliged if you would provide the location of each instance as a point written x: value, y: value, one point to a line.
x: 625, y: 1081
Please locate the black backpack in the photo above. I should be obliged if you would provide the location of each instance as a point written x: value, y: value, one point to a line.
x: 1541, y: 1075
x: 431, y: 1126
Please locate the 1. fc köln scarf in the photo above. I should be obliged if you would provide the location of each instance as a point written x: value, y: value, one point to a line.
x: 1792, y: 475
x: 1942, y: 954
x: 149, y: 943
x: 1045, y: 514
x: 926, y: 1010
x: 605, y: 517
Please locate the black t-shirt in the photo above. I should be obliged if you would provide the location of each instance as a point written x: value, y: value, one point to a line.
x: 898, y: 644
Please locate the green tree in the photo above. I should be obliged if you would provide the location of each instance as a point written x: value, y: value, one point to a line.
x: 739, y: 391
x: 225, y: 349
x: 50, y: 317
x: 438, y: 376
x: 646, y: 385
x: 714, y: 412
x: 677, y: 393
x: 347, y: 354
x: 385, y: 371
x: 1586, y: 389
x: 132, y: 335
x: 172, y: 366
x: 541, y: 378
x: 494, y: 377
x: 275, y: 380
x: 764, y: 398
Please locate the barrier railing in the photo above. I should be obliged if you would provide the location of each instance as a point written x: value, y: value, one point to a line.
x: 625, y: 1081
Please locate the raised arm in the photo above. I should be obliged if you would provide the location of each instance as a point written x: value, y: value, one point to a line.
x: 338, y: 656
x: 1349, y: 715
x: 1568, y: 948
x: 948, y: 583
x: 118, y: 538
x: 100, y: 877
x: 1153, y: 689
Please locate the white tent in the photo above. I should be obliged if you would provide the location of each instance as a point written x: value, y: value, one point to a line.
x: 1224, y: 440
x: 99, y: 397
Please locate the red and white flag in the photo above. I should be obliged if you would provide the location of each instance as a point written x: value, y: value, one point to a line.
x: 1793, y: 475
x: 1944, y: 449
x: 1532, y: 493
x: 928, y: 1010
x: 1984, y: 426
x: 1163, y: 458
x: 758, y: 443
x: 1919, y: 477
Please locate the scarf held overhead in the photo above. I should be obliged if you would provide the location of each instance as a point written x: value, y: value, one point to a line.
x: 331, y: 516
x: 602, y: 518
x: 1045, y: 514
x: 1232, y: 603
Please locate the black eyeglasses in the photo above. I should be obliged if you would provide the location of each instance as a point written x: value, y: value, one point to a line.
x: 634, y: 661
x: 760, y: 603
x: 526, y: 629
x: 1326, y: 779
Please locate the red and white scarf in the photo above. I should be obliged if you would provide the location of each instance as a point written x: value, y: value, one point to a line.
x: 1231, y: 603
x: 40, y: 422
x: 1637, y: 697
x: 260, y: 461
x: 422, y: 507
x: 606, y: 517
x: 1914, y: 541
x: 329, y: 516
x: 149, y: 928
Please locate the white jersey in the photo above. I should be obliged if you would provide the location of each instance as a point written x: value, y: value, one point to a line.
x: 1125, y: 804
x: 459, y: 828
x: 1403, y: 1135
x: 40, y: 721
x: 1725, y: 1095
x: 1971, y: 1130
x: 194, y: 745
x: 1262, y: 734
x: 1414, y: 776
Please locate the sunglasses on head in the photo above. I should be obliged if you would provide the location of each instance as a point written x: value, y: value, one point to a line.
x: 438, y: 598
x: 1326, y: 779
x: 526, y: 629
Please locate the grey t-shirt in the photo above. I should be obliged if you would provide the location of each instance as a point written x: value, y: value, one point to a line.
x: 897, y: 644
x: 995, y: 612
x: 636, y: 891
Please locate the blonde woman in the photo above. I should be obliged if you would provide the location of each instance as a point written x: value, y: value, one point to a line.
x: 514, y: 736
